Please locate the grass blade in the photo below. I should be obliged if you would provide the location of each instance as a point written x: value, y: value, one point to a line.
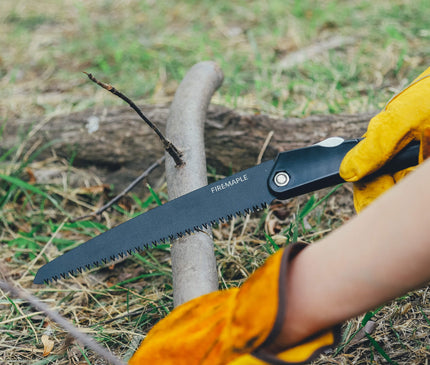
x: 154, y: 195
x: 34, y: 189
x: 380, y: 350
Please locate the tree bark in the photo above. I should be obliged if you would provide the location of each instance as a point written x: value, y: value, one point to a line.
x: 193, y: 259
x: 118, y: 146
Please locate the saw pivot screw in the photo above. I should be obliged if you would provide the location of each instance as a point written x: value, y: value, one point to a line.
x: 281, y: 179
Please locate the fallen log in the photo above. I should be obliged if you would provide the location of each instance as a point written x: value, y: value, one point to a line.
x: 117, y: 145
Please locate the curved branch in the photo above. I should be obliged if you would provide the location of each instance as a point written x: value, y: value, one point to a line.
x: 193, y: 259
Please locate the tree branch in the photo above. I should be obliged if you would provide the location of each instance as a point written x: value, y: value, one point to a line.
x: 168, y: 146
x: 56, y: 317
x: 193, y: 259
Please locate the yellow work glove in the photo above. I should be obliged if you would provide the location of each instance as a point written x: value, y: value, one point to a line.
x: 224, y: 327
x: 406, y: 117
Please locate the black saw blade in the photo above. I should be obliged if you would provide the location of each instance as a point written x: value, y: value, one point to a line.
x: 238, y: 194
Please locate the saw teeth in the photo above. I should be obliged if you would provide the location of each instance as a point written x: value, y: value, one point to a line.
x: 199, y: 226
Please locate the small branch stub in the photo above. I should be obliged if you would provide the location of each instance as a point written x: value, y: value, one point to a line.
x: 168, y: 146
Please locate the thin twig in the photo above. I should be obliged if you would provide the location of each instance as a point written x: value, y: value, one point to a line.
x: 124, y: 192
x: 56, y: 317
x: 168, y: 146
x: 265, y: 144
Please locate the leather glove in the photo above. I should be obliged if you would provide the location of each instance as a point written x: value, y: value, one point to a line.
x: 406, y: 117
x: 224, y: 327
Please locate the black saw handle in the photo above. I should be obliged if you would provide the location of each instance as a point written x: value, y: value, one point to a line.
x: 315, y: 167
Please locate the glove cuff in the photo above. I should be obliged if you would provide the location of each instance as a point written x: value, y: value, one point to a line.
x: 309, y: 348
x: 303, y: 352
x: 288, y: 255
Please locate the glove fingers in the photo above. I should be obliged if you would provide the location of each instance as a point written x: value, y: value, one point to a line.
x: 390, y: 131
x: 374, y: 151
x: 367, y: 191
x: 423, y: 155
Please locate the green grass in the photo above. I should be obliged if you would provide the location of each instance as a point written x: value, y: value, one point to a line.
x: 144, y: 49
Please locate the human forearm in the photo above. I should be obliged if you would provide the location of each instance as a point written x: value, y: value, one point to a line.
x: 377, y: 256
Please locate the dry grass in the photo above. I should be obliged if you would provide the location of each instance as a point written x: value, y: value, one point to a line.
x: 144, y: 50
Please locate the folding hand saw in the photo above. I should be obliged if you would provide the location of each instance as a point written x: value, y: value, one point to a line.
x: 292, y: 173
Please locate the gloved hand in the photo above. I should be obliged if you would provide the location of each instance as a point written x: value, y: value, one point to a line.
x: 224, y: 327
x: 406, y: 117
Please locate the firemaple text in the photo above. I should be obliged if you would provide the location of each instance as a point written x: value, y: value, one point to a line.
x: 229, y: 183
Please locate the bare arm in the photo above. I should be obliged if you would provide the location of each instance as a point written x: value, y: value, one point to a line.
x: 379, y: 255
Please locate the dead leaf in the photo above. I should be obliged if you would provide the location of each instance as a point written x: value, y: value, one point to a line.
x: 96, y: 189
x: 31, y: 177
x: 48, y: 345
x: 406, y: 308
x: 281, y: 210
x: 126, y: 203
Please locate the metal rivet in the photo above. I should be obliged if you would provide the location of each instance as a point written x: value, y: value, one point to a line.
x: 281, y: 178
